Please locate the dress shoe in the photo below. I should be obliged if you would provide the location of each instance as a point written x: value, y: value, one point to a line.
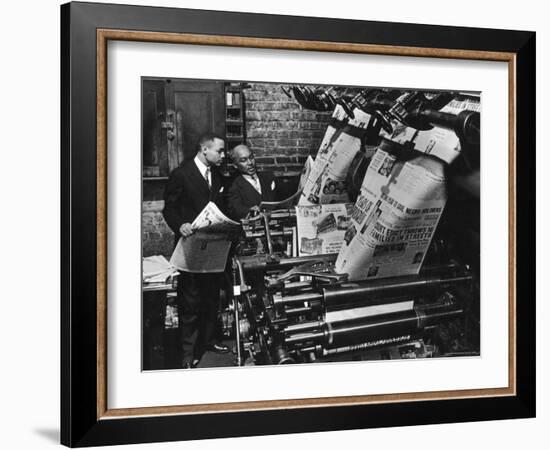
x: 218, y: 348
x: 190, y: 365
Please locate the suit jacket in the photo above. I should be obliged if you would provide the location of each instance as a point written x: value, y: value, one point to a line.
x: 242, y: 196
x: 187, y: 193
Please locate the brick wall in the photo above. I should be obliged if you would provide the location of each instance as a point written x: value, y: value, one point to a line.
x: 158, y: 239
x: 280, y: 132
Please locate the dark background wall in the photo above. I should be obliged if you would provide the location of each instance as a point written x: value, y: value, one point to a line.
x: 279, y: 131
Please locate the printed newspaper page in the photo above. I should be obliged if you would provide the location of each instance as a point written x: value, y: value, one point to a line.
x: 207, y: 249
x: 321, y: 228
x: 326, y: 182
x: 305, y: 172
x: 394, y: 217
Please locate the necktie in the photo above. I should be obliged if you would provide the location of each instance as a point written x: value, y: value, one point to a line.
x: 256, y: 183
x: 207, y: 177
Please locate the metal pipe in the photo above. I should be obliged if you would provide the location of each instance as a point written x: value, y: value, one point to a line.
x: 237, y: 331
x: 363, y: 329
x: 243, y: 285
x: 297, y: 285
x: 465, y: 124
x: 302, y: 338
x: 298, y: 298
x: 352, y: 293
x: 291, y: 312
x: 267, y: 233
x: 428, y: 270
x: 236, y: 295
x: 302, y: 327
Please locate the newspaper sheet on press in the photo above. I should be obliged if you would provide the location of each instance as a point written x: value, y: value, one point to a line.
x: 326, y: 182
x: 321, y: 228
x: 394, y: 217
x: 400, y: 203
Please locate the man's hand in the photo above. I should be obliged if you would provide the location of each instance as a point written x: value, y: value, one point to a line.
x: 186, y: 230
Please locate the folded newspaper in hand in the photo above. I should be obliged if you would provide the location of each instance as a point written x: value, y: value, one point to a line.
x: 212, y: 219
x: 206, y: 250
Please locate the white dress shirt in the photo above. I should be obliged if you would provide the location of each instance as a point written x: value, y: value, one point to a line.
x: 204, y: 170
x: 254, y: 181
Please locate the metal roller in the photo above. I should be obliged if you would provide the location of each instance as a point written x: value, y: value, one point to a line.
x: 354, y: 331
x: 335, y: 296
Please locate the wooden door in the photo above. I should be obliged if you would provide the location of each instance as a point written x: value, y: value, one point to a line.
x: 188, y: 109
x: 199, y: 108
x: 154, y: 139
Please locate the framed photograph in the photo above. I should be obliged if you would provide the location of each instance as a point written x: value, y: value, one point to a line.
x: 278, y: 224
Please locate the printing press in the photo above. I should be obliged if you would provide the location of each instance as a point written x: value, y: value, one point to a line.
x: 295, y: 309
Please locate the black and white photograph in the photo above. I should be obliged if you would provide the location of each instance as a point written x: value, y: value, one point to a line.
x: 288, y: 223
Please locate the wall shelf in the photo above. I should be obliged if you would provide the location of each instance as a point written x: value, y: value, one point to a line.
x: 235, y: 130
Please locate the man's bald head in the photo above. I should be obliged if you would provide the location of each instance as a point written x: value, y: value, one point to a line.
x: 243, y: 158
x: 238, y: 150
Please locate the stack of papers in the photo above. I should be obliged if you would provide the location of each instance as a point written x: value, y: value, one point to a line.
x: 157, y: 269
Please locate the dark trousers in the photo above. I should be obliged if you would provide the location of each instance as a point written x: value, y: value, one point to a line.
x: 198, y: 302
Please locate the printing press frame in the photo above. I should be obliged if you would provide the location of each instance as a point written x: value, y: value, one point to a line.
x: 280, y: 317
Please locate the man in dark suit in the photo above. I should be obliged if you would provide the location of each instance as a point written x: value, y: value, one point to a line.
x: 189, y: 189
x: 249, y: 188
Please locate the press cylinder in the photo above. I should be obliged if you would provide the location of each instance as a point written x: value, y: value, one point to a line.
x: 353, y: 331
x: 366, y: 292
